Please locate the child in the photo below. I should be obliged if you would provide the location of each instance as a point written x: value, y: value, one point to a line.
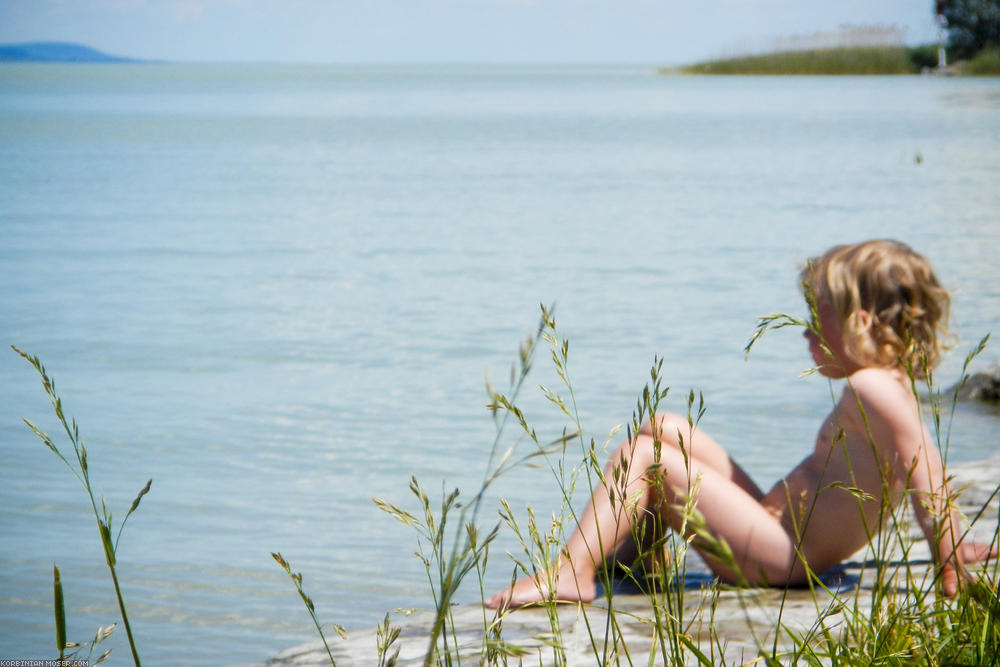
x: 879, y: 315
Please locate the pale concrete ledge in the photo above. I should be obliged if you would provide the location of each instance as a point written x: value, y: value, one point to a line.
x: 738, y: 615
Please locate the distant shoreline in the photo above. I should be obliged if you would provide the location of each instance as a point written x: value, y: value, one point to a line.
x: 844, y: 61
x: 894, y: 60
x: 57, y: 52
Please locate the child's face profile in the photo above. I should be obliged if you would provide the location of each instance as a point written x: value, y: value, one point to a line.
x: 838, y: 365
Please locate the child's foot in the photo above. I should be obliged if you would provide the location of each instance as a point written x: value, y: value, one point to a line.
x: 569, y: 588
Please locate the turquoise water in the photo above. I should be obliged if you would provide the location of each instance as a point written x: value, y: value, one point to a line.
x: 276, y: 291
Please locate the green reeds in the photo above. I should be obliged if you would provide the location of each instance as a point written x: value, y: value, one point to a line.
x: 81, y: 471
x: 449, y: 557
x: 848, y: 61
x: 541, y: 543
x: 60, y: 614
x: 892, y: 617
x: 865, y: 60
x: 60, y: 610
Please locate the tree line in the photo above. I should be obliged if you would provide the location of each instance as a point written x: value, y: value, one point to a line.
x: 972, y: 25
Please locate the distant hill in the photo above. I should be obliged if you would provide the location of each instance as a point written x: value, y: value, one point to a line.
x: 56, y: 52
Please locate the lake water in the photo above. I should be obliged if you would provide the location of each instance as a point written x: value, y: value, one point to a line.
x: 276, y: 291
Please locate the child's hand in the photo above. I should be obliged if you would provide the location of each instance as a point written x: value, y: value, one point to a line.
x: 976, y: 552
x: 967, y: 552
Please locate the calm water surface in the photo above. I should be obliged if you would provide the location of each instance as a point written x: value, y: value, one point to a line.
x: 276, y: 291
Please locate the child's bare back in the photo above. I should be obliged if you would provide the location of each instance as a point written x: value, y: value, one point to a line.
x: 833, y: 498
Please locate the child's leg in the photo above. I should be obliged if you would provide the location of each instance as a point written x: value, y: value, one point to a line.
x: 728, y: 500
x: 763, y: 551
x: 673, y: 429
x: 603, y: 526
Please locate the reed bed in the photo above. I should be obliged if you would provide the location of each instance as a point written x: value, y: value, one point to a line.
x: 984, y: 63
x: 860, y: 60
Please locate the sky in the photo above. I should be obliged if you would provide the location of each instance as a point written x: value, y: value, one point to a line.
x: 448, y: 31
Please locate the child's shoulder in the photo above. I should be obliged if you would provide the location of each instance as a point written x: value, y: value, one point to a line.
x: 885, y: 393
x: 876, y: 378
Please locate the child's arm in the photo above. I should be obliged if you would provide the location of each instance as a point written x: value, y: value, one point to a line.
x: 893, y: 421
x: 935, y: 511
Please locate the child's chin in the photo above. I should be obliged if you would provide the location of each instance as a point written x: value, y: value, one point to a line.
x: 831, y: 371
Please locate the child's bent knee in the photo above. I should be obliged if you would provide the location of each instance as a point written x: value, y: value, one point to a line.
x: 667, y: 427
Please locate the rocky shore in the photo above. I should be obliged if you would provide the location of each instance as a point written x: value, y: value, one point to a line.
x: 740, y: 618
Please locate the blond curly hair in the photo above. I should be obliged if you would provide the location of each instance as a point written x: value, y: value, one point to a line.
x: 906, y: 305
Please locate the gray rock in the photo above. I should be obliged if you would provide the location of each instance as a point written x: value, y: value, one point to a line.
x: 981, y: 386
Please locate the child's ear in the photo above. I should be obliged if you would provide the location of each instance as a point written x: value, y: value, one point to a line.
x: 863, y: 318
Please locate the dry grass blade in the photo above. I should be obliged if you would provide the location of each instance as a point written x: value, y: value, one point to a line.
x: 400, y: 515
x: 133, y: 508
x: 771, y: 323
x: 296, y: 578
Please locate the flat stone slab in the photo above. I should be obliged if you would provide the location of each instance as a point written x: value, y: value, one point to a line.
x: 727, y: 625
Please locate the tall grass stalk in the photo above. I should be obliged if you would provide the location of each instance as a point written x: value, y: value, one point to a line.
x: 62, y: 644
x: 296, y: 578
x: 447, y: 566
x: 386, y: 638
x: 81, y: 471
x: 60, y: 612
